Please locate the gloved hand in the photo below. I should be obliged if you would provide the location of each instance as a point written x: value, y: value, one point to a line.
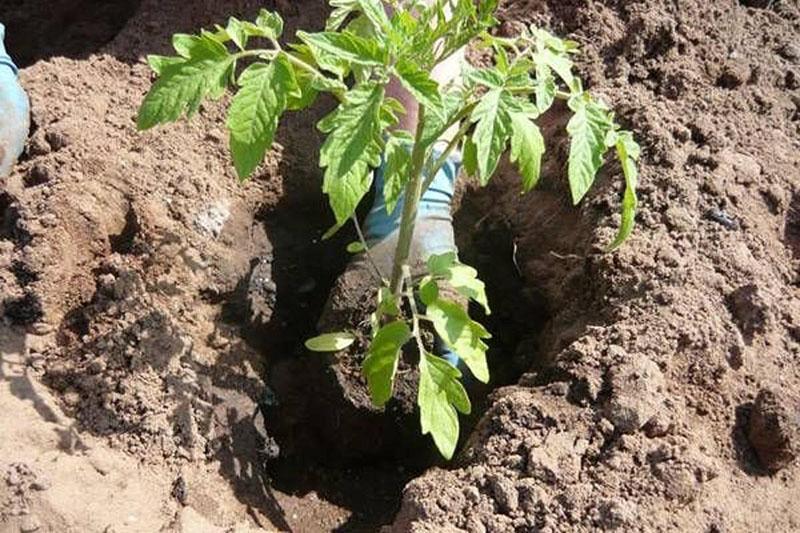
x: 14, y: 111
x: 433, y: 230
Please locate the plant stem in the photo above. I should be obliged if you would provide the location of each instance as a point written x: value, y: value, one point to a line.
x: 412, y: 193
x: 437, y: 166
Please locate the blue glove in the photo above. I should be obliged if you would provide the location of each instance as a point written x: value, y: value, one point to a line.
x: 14, y: 111
x: 433, y: 229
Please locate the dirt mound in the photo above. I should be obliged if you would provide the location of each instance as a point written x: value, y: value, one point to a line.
x: 644, y: 420
x: 149, y: 299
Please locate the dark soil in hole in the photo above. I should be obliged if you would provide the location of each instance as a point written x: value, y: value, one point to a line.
x: 519, y: 313
x: 39, y: 29
x: 125, y: 241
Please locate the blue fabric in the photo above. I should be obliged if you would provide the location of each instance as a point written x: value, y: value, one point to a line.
x: 5, y: 59
x: 14, y: 111
x: 435, y: 203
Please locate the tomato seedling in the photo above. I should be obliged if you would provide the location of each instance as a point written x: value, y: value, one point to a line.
x: 493, y: 109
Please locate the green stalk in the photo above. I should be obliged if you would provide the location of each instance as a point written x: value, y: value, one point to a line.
x: 412, y: 195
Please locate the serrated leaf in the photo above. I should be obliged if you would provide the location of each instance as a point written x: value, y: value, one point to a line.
x: 255, y: 111
x: 527, y: 149
x: 352, y: 148
x: 182, y: 86
x: 545, y: 91
x: 236, y: 32
x: 345, y: 46
x: 330, y: 342
x: 376, y: 14
x: 464, y: 279
x: 342, y: 9
x: 488, y: 77
x: 436, y: 123
x: 380, y: 365
x: 627, y: 152
x: 587, y: 131
x: 270, y: 24
x: 439, y: 264
x: 492, y: 131
x: 428, y: 290
x: 397, y: 158
x: 420, y: 85
x: 560, y: 63
x: 461, y: 334
x: 160, y: 63
x: 322, y: 59
x: 439, y: 395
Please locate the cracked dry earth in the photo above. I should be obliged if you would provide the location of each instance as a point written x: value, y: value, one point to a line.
x: 145, y: 296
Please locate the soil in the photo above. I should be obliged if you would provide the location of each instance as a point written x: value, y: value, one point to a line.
x: 153, y: 307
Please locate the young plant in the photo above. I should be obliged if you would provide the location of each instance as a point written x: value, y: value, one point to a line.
x: 493, y: 109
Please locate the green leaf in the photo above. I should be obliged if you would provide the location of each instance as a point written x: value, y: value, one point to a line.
x: 469, y: 157
x: 324, y: 60
x: 527, y: 148
x: 587, y: 131
x: 345, y: 46
x: 462, y: 335
x: 356, y: 247
x: 463, y: 278
x: 436, y: 123
x: 440, y: 264
x: 439, y: 395
x: 560, y: 63
x: 342, y: 9
x: 255, y: 111
x: 269, y: 24
x: 183, y: 85
x: 396, y: 170
x: 428, y: 290
x: 330, y: 342
x: 419, y: 84
x: 491, y: 131
x: 545, y: 92
x: 352, y: 148
x: 160, y: 63
x: 376, y: 14
x: 627, y: 153
x: 380, y: 365
x: 235, y: 30
x: 488, y: 77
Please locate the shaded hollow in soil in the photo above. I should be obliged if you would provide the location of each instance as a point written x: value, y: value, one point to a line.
x: 40, y: 29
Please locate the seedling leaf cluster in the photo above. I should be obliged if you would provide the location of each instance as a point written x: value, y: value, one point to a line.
x: 493, y: 110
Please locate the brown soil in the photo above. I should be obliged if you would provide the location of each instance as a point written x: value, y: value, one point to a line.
x: 149, y: 300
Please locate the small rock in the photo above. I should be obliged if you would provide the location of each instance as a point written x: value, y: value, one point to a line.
x: 750, y: 310
x: 733, y: 75
x: 774, y: 429
x: 212, y: 219
x: 616, y: 514
x: 505, y: 493
x: 56, y: 139
x: 791, y: 52
x: 29, y: 523
x: 721, y: 217
x: 747, y: 169
x: 679, y: 219
x: 637, y: 394
x: 180, y: 491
